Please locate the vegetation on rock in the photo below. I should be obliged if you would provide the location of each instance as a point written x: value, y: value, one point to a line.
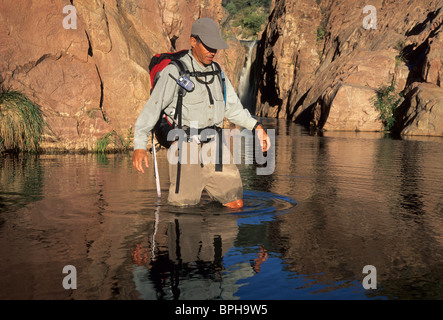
x: 250, y: 15
x: 21, y: 122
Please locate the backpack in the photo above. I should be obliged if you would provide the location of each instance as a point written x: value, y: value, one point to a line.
x: 157, y: 64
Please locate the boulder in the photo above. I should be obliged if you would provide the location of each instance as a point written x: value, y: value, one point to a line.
x: 422, y: 112
x: 351, y: 109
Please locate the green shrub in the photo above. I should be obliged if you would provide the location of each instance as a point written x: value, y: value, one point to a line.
x: 321, y: 30
x: 253, y: 21
x: 320, y: 33
x: 400, y: 58
x: 21, y: 122
x: 249, y: 14
x: 386, y: 101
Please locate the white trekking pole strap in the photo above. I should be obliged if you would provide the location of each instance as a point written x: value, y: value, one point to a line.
x: 157, y: 179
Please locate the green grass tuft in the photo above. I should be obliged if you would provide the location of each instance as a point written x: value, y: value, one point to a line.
x: 21, y: 122
x: 113, y: 142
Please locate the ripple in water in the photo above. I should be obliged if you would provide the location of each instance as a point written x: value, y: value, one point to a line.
x: 258, y: 206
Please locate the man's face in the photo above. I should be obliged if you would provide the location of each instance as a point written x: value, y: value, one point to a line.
x: 202, y: 53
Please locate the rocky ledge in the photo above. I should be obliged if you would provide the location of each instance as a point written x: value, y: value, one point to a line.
x: 322, y: 63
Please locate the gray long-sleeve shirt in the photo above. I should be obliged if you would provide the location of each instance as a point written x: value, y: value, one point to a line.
x: 196, y: 104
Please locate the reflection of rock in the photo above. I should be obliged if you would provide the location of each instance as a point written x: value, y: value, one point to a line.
x: 94, y: 79
x: 300, y: 71
x: 422, y: 112
x: 367, y: 202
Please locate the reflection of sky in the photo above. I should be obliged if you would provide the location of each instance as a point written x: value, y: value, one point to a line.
x: 239, y: 280
x: 273, y: 282
x: 143, y: 284
x: 263, y: 206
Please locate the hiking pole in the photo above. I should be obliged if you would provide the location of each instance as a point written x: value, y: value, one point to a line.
x: 157, y: 179
x: 155, y: 232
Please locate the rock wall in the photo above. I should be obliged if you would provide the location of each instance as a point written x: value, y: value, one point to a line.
x: 93, y: 80
x: 422, y: 111
x: 321, y: 66
x: 286, y: 56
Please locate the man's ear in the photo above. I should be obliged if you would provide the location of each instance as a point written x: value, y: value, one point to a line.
x: 193, y: 42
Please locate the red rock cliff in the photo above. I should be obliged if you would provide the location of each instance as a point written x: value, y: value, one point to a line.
x: 322, y: 63
x: 93, y: 80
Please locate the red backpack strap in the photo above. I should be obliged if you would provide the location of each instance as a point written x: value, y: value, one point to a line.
x: 160, y: 61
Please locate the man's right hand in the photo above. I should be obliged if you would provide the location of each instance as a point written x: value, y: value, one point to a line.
x: 138, y: 157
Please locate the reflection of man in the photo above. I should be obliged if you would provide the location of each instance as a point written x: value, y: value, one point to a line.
x: 204, y: 105
x: 188, y: 257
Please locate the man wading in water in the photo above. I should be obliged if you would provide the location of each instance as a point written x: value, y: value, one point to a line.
x: 203, y: 107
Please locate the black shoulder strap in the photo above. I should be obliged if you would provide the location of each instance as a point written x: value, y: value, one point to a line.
x: 178, y: 117
x: 219, y: 151
x: 178, y: 113
x: 182, y: 69
x: 221, y: 77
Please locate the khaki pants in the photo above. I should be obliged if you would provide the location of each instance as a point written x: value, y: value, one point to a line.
x: 224, y: 186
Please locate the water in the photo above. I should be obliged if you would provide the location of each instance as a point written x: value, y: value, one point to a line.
x: 334, y: 204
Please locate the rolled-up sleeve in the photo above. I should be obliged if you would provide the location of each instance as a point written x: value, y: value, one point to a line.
x: 235, y: 112
x: 161, y: 97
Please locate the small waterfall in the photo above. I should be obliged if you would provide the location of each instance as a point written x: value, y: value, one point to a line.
x: 246, y: 87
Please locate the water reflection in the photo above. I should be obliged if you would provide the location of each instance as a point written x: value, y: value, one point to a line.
x: 182, y: 258
x: 20, y: 181
x: 185, y: 252
x: 356, y: 209
x: 335, y: 203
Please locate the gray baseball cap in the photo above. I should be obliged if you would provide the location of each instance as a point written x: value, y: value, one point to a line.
x: 209, y: 33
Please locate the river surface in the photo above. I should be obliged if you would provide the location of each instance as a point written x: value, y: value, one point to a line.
x: 335, y: 203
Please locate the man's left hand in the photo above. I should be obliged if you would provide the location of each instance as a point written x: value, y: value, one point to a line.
x: 265, y: 141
